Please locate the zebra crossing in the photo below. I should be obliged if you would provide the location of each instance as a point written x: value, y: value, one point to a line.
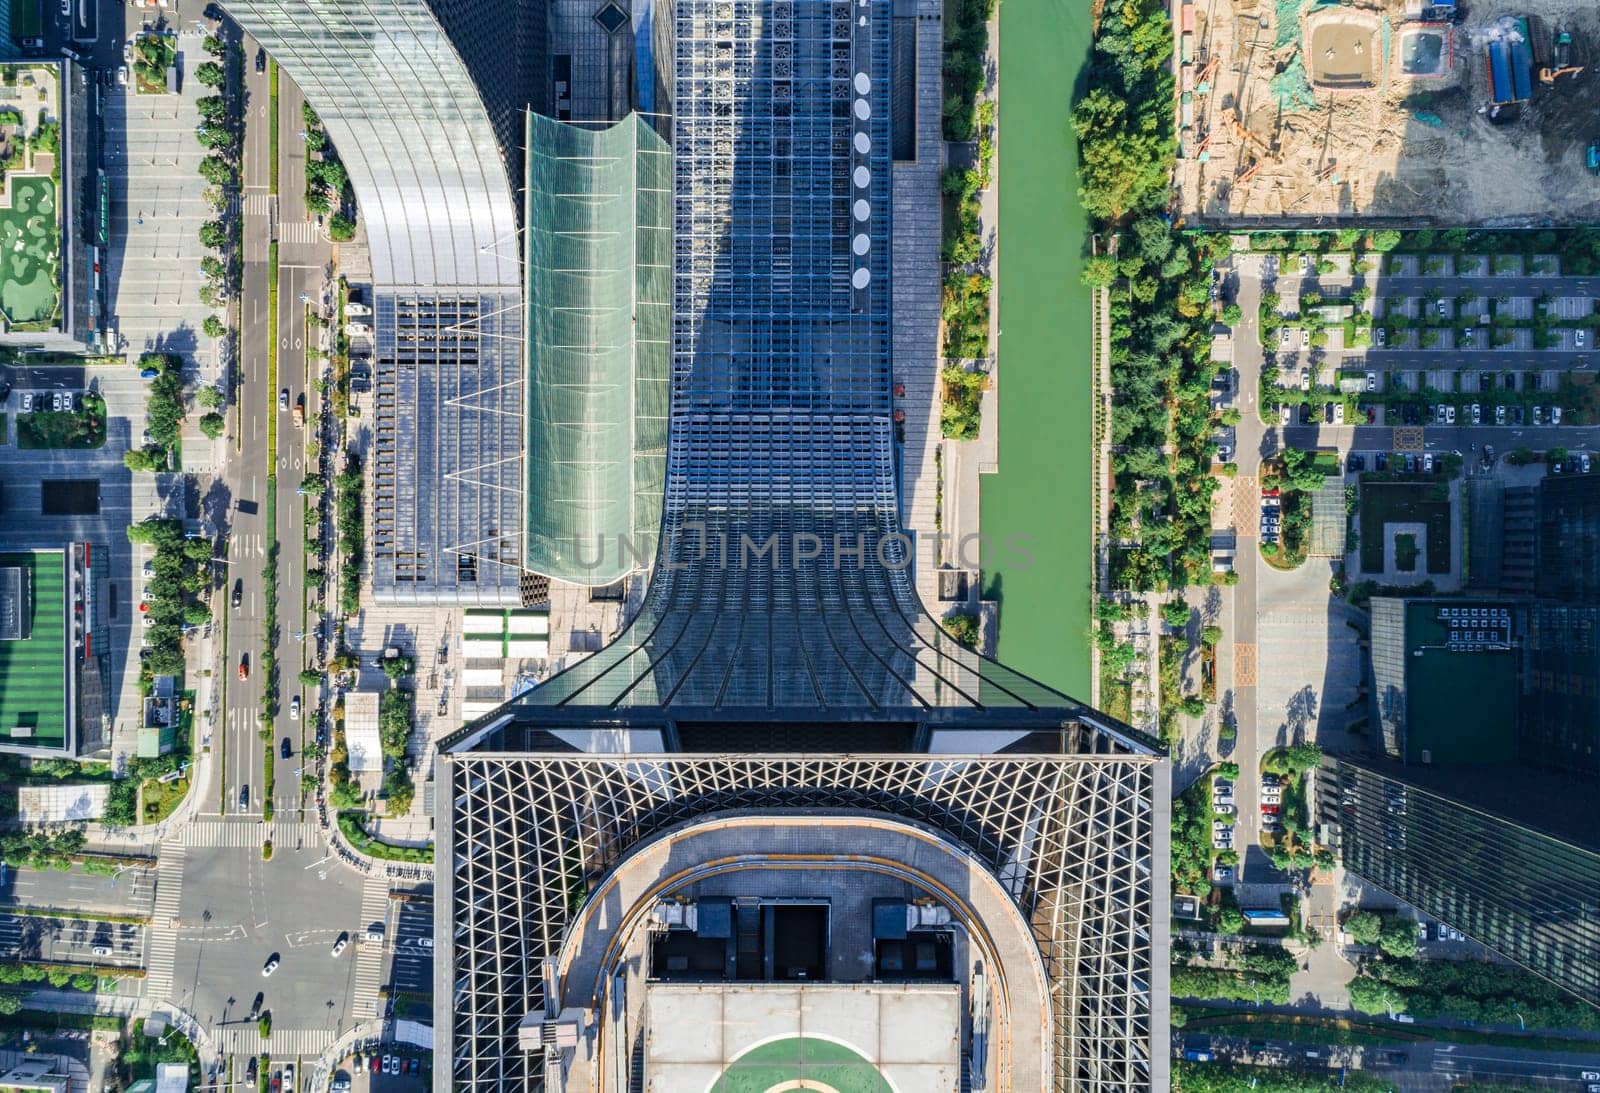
x: 163, y: 931
x: 258, y: 204
x: 284, y: 1042
x: 369, y: 954
x: 298, y: 231
x: 222, y: 834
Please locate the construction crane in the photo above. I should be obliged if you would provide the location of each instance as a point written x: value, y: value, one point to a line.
x: 1550, y: 75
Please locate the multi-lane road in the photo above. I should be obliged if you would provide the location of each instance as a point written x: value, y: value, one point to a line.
x: 302, y: 267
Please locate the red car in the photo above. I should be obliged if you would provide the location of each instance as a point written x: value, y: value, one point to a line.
x: 376, y: 1063
x: 1269, y: 810
x: 1273, y: 492
x: 244, y: 667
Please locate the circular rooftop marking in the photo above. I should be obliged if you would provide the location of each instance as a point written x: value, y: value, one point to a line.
x: 863, y: 83
x: 863, y: 143
x: 862, y: 177
x: 862, y: 209
x: 862, y: 277
x: 861, y: 244
x: 863, y: 109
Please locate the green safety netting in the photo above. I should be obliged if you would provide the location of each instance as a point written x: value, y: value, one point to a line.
x: 599, y: 301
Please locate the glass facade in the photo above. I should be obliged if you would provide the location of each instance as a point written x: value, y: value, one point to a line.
x: 1558, y: 710
x: 412, y: 128
x: 1569, y: 539
x: 599, y: 299
x: 1533, y: 898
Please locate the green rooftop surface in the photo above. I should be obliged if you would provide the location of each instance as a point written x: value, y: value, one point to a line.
x: 1384, y: 503
x: 785, y: 1064
x: 32, y: 684
x: 1462, y: 706
x: 30, y: 250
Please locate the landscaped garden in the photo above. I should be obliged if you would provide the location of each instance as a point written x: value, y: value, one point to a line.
x: 81, y: 429
x: 1384, y: 503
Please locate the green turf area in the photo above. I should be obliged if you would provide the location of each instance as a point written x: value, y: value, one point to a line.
x: 1424, y: 503
x: 30, y: 251
x: 31, y: 689
x: 27, y: 19
x: 783, y: 1063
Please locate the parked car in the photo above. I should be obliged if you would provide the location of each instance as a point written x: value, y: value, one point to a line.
x: 261, y: 60
x: 1499, y: 415
x: 1224, y: 874
x: 1477, y: 414
x: 1583, y: 462
x: 1581, y: 338
x: 101, y: 950
x: 1450, y: 414
x: 1427, y: 463
x: 1538, y: 415
x: 1555, y: 415
x: 376, y: 1063
x: 1372, y: 381
x: 1379, y: 336
x: 148, y: 373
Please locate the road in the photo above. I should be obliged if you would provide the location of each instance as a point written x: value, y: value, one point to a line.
x: 1411, y: 1065
x: 303, y: 268
x: 237, y: 784
x: 130, y: 892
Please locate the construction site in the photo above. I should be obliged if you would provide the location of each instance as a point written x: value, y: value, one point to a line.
x: 1302, y: 113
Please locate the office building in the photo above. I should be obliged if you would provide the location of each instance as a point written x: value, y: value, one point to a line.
x: 1558, y: 700
x: 783, y: 791
x: 54, y: 645
x: 1569, y: 538
x: 1499, y: 853
x: 1444, y: 679
x: 424, y: 102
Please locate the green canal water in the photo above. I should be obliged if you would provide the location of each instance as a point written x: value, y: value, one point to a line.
x: 1041, y: 496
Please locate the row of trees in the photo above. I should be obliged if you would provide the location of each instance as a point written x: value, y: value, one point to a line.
x: 1472, y: 991
x: 221, y: 134
x: 180, y: 572
x: 327, y: 181
x: 1161, y: 372
x: 348, y: 523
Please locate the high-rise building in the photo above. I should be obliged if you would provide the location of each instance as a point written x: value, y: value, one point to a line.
x: 424, y: 102
x: 784, y: 791
x: 1569, y: 538
x: 1502, y: 855
x: 1558, y: 700
x: 783, y: 808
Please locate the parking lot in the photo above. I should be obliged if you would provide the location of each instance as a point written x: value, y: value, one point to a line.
x: 157, y: 207
x: 72, y: 941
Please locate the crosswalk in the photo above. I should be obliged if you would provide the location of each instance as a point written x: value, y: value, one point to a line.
x: 164, y: 921
x: 284, y: 1042
x: 257, y: 204
x: 298, y: 231
x: 221, y: 834
x: 369, y: 955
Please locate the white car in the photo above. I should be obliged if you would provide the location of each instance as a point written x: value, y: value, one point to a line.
x: 1379, y: 336
x: 1305, y: 263
x: 269, y: 967
x: 1477, y: 414
x: 338, y: 946
x: 1372, y: 381
x: 1581, y: 337
x: 1555, y: 415
x: 1305, y: 338
x: 294, y: 708
x: 1283, y: 337
x: 122, y: 75
x: 1499, y: 415
x: 101, y: 950
x: 1338, y: 413
x: 1450, y: 414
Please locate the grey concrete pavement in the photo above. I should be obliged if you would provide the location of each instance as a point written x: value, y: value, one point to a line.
x: 72, y: 941
x: 130, y: 892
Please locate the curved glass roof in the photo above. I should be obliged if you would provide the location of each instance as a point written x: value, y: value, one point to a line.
x: 409, y: 124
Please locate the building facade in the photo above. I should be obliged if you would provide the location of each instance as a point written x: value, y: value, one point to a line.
x: 780, y: 680
x: 1533, y: 897
x: 424, y: 104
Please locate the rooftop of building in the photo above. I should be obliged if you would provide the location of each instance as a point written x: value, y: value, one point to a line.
x: 1461, y: 681
x: 33, y: 697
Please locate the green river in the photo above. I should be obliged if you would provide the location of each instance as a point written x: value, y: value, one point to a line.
x: 1042, y: 494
